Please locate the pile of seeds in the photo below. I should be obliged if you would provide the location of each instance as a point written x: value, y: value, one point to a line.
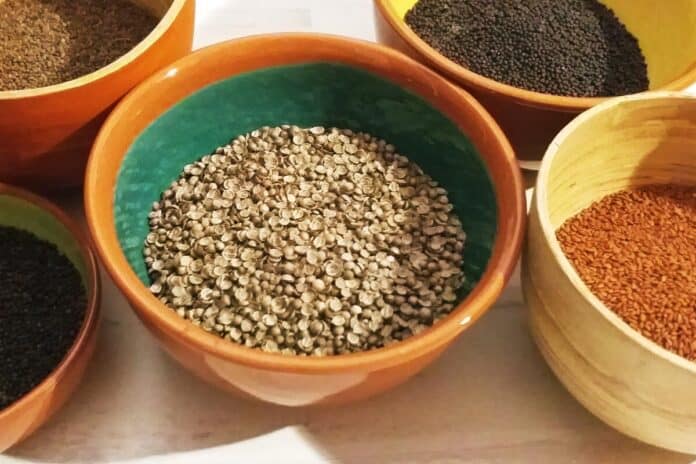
x: 46, y: 42
x: 570, y: 47
x: 636, y: 250
x: 306, y: 241
x: 42, y: 307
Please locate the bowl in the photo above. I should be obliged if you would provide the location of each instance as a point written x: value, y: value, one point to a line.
x: 628, y: 381
x: 204, y: 100
x: 47, y: 132
x: 532, y: 119
x: 26, y: 211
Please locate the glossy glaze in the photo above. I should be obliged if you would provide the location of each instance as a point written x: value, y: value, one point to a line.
x: 625, y: 379
x: 47, y: 133
x: 21, y: 209
x: 532, y: 119
x: 279, y: 379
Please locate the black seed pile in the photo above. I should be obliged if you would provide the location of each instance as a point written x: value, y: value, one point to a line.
x: 573, y: 48
x: 42, y: 307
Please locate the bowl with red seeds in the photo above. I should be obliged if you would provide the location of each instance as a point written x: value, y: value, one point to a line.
x: 609, y: 270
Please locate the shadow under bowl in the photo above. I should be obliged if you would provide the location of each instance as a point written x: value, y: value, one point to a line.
x: 206, y: 99
x: 23, y: 210
x: 532, y: 119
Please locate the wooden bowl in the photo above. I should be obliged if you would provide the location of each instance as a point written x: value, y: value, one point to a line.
x: 625, y: 379
x: 47, y: 133
x: 213, y: 95
x: 26, y: 211
x: 532, y: 119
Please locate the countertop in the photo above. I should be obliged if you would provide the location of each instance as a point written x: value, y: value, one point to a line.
x: 489, y: 399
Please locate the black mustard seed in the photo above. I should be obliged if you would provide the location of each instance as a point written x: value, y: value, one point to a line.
x: 42, y: 307
x: 573, y: 48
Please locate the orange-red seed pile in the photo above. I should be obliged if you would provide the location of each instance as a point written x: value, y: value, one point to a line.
x: 636, y: 250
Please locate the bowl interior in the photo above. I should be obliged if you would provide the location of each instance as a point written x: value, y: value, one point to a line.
x: 157, y: 8
x: 665, y: 35
x: 630, y: 143
x: 309, y: 94
x: 22, y: 214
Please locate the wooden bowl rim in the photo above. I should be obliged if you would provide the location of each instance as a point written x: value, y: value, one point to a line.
x: 89, y: 324
x: 503, y: 259
x: 164, y: 24
x: 541, y: 203
x: 523, y: 96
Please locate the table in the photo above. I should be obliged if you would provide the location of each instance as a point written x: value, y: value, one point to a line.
x: 490, y: 399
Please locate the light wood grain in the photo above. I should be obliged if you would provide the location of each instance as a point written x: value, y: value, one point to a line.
x: 628, y: 381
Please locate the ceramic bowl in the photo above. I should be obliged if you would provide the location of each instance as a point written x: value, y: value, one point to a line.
x: 47, y: 133
x: 206, y: 99
x: 532, y: 119
x: 625, y: 379
x: 26, y: 211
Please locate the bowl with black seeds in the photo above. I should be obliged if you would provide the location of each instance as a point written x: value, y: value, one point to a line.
x: 63, y: 66
x: 49, y: 288
x: 310, y: 225
x: 535, y: 64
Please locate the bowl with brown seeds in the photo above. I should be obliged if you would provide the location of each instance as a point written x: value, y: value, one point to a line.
x: 310, y: 226
x: 63, y: 66
x: 609, y: 267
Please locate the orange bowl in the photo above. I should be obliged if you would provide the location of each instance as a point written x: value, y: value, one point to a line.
x: 47, y: 133
x: 532, y: 119
x: 26, y: 211
x: 214, y: 94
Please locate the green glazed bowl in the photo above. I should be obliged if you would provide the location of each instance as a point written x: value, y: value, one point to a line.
x: 307, y: 95
x: 219, y: 93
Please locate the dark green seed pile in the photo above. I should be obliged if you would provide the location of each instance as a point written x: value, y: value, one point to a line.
x: 570, y: 47
x: 46, y: 42
x: 42, y: 307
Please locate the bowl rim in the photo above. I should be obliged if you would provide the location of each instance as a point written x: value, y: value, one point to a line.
x: 541, y: 204
x: 163, y: 25
x: 93, y: 281
x: 504, y: 255
x: 483, y: 83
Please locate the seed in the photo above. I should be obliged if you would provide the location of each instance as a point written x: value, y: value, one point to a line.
x: 43, y: 307
x: 642, y: 263
x: 572, y: 47
x: 335, y: 304
x: 46, y: 42
x: 319, y: 277
x: 225, y: 317
x: 318, y: 285
x: 269, y: 319
x: 338, y: 320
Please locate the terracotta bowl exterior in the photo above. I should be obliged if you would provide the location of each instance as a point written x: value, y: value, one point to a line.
x: 47, y: 133
x: 532, y: 119
x: 625, y: 379
x: 24, y: 210
x: 288, y: 380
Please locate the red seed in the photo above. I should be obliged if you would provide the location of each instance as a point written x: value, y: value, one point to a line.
x: 636, y: 250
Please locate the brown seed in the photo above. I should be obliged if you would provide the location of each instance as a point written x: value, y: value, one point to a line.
x: 46, y: 42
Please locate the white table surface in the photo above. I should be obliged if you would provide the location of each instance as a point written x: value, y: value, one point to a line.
x: 489, y: 399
